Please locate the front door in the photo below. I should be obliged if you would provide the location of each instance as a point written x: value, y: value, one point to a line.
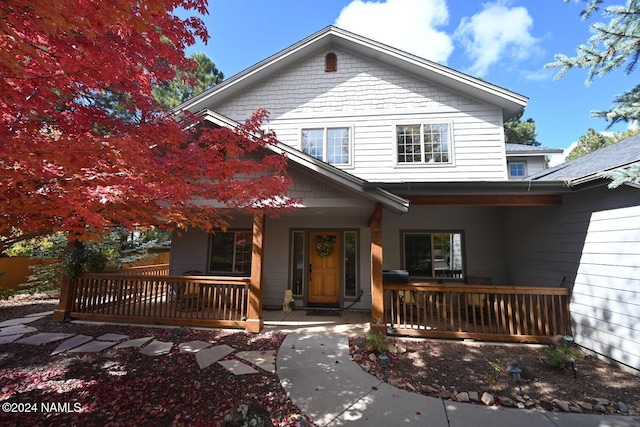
x: 324, y: 267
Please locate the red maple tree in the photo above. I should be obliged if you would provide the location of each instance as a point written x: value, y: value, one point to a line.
x: 71, y: 160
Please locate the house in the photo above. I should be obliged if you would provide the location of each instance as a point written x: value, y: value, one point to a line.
x: 399, y: 163
x: 525, y: 160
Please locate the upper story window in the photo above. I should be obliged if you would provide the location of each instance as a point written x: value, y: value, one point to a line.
x: 424, y: 143
x: 230, y: 252
x: 517, y: 170
x: 331, y: 62
x: 331, y: 145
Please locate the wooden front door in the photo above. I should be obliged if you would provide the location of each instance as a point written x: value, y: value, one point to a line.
x: 324, y: 267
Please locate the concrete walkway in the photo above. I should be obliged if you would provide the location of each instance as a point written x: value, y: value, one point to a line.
x: 315, y: 369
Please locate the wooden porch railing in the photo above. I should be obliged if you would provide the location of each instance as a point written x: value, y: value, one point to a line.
x: 174, y: 300
x: 147, y: 270
x: 502, y: 313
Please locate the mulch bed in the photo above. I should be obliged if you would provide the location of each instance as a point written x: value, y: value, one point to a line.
x: 124, y: 387
x: 445, y: 368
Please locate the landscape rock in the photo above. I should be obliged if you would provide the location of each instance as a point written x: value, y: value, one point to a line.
x: 599, y: 408
x: 586, y: 406
x: 529, y: 404
x: 507, y: 401
x: 603, y: 402
x: 357, y: 357
x: 249, y: 415
x: 473, y: 396
x: 563, y: 405
x: 488, y: 399
x: 463, y: 397
x: 575, y: 409
x: 445, y: 394
x: 622, y: 407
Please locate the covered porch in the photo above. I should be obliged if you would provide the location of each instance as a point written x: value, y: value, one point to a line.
x: 454, y: 309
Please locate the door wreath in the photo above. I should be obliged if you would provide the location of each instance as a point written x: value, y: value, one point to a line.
x: 324, y: 245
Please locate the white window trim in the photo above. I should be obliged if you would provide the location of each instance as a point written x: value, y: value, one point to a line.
x: 516, y: 162
x: 325, y: 128
x: 398, y: 164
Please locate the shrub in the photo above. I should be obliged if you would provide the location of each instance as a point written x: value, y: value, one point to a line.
x: 6, y: 293
x: 558, y: 356
x: 376, y: 341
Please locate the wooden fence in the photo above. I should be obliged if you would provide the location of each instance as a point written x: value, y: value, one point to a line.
x: 501, y: 313
x: 170, y: 300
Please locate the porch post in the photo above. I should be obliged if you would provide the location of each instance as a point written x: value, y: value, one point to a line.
x: 65, y: 304
x: 378, y: 323
x: 255, y: 322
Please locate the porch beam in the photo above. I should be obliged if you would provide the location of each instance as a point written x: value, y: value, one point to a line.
x: 487, y: 200
x: 378, y: 323
x: 255, y: 321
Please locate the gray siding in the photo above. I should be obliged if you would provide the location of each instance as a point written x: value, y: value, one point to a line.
x: 593, y: 240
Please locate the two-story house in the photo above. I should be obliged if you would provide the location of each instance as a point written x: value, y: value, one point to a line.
x: 399, y: 163
x: 370, y: 131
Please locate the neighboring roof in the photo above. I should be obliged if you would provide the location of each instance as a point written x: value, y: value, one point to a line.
x: 588, y: 167
x: 337, y: 176
x: 510, y: 102
x: 528, y: 150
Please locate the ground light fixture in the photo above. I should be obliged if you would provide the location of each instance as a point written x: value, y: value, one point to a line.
x: 515, y: 373
x: 383, y: 359
x: 569, y: 340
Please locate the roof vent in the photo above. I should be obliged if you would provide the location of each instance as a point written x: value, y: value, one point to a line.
x: 331, y: 62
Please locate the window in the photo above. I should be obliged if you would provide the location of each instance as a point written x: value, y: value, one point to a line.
x: 350, y: 263
x: 331, y: 145
x: 433, y: 255
x: 427, y: 143
x: 517, y: 170
x: 230, y: 252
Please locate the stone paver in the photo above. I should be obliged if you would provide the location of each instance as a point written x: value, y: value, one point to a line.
x: 94, y: 346
x: 137, y: 342
x: 19, y: 321
x: 6, y: 339
x: 193, y: 346
x: 71, y: 343
x: 157, y: 348
x: 17, y: 329
x: 262, y: 359
x: 236, y: 367
x: 43, y: 338
x: 112, y: 337
x: 211, y: 355
x: 41, y: 314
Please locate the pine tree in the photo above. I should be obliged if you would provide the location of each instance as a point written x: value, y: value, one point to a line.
x: 612, y: 45
x: 591, y: 141
x: 517, y: 131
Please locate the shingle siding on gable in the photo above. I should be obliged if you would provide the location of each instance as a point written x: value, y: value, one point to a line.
x: 371, y: 98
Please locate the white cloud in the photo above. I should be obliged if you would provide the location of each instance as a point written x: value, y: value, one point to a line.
x: 496, y: 34
x: 409, y: 25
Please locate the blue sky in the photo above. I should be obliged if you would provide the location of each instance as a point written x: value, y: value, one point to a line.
x: 506, y: 42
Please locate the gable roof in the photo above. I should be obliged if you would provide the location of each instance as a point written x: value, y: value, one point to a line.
x: 338, y: 177
x: 510, y: 102
x: 587, y: 168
